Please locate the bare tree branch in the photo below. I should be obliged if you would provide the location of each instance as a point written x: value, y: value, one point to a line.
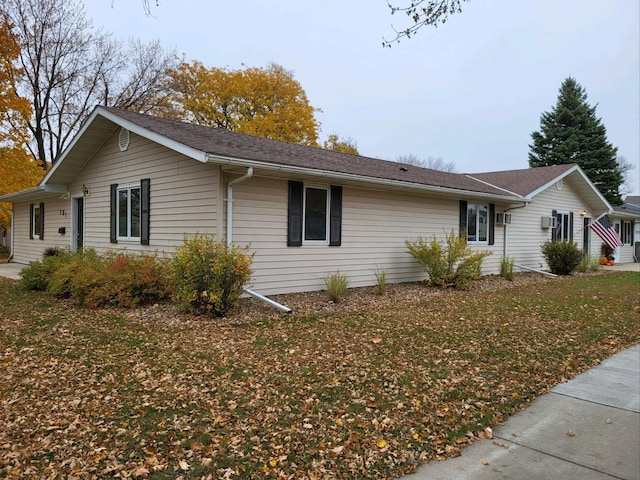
x: 421, y: 13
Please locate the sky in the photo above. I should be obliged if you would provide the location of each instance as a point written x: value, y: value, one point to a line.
x: 470, y: 91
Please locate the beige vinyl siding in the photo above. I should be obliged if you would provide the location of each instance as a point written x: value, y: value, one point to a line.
x: 525, y: 235
x: 375, y: 225
x: 184, y: 193
x: 57, y: 213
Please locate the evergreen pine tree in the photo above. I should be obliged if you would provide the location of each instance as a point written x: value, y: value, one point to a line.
x: 572, y: 133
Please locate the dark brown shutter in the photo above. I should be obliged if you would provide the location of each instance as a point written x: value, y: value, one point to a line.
x: 113, y: 212
x: 335, y: 217
x: 31, y: 211
x: 571, y: 226
x: 632, y: 232
x: 145, y: 204
x: 554, y: 231
x: 294, y: 223
x: 492, y: 223
x: 463, y: 219
x: 41, y: 221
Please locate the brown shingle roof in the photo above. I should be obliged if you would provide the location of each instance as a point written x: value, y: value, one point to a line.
x: 524, y: 181
x: 217, y: 141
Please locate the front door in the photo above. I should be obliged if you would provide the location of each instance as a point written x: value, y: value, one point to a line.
x: 586, y: 236
x: 77, y: 242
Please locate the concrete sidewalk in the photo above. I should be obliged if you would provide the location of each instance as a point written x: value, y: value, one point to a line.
x: 585, y: 429
x: 11, y: 270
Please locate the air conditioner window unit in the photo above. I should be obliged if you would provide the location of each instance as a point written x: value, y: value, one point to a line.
x: 503, y: 218
x: 548, y: 222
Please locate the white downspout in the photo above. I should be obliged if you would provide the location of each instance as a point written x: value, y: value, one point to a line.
x: 504, y: 243
x: 229, y: 200
x: 10, y: 210
x: 230, y: 185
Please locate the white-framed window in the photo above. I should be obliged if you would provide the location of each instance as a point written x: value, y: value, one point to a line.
x: 36, y: 221
x: 564, y: 230
x: 315, y: 215
x: 477, y: 223
x: 626, y: 233
x: 129, y: 212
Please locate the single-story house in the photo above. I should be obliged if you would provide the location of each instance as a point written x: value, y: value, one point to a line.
x: 141, y: 183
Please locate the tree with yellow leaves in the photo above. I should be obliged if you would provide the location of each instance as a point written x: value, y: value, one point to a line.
x: 14, y: 110
x: 266, y: 102
x: 344, y: 145
x: 17, y: 168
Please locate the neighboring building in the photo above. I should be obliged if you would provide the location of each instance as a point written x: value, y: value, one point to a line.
x: 631, y: 203
x: 141, y: 183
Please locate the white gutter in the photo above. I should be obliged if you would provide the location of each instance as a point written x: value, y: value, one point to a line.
x: 229, y: 201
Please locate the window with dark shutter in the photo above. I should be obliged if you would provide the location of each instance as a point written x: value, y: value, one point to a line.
x: 294, y: 223
x: 145, y: 207
x: 463, y: 218
x: 41, y: 222
x: 492, y: 223
x: 113, y: 212
x: 554, y: 231
x: 335, y: 223
x: 31, y: 220
x: 314, y: 215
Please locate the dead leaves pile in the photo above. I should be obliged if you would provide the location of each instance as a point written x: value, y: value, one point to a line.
x: 370, y: 393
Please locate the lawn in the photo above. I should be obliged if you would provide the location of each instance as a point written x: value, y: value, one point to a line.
x: 367, y: 393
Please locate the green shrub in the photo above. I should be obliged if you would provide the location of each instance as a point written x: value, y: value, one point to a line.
x: 209, y: 275
x: 337, y: 285
x: 39, y: 273
x: 3, y: 250
x: 128, y: 280
x: 53, y: 252
x: 562, y: 257
x: 381, y: 279
x: 78, y: 275
x: 452, y: 264
x: 506, y: 267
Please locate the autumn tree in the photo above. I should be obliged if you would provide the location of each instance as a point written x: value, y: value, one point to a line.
x: 17, y: 169
x: 344, y: 145
x: 14, y: 109
x: 421, y: 13
x: 572, y: 133
x: 70, y: 66
x: 267, y: 102
x: 434, y: 163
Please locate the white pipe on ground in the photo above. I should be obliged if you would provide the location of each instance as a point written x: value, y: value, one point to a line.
x: 536, y: 270
x: 273, y: 303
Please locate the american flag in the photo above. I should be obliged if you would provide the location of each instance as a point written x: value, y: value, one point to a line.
x: 605, y: 230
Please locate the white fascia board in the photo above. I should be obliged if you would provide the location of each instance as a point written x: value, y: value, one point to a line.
x: 74, y: 140
x: 33, y: 193
x: 351, y: 177
x: 154, y: 137
x: 575, y: 168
